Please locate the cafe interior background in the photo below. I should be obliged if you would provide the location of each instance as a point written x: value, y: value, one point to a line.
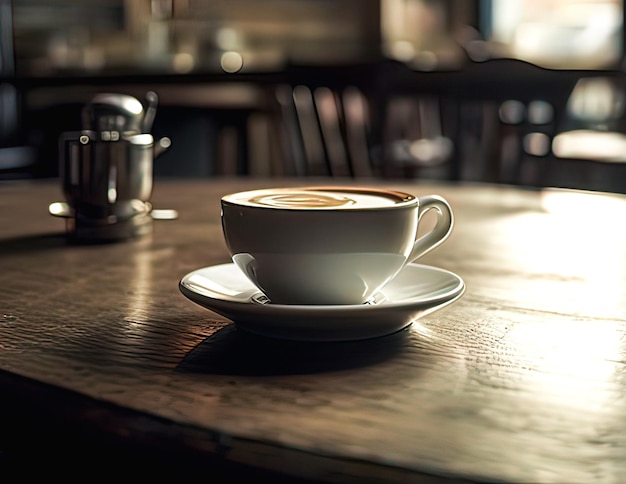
x: 523, y: 92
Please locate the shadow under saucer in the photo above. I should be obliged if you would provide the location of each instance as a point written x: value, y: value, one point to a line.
x: 233, y: 351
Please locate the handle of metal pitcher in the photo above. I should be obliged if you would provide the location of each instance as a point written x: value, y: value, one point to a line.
x: 69, y: 145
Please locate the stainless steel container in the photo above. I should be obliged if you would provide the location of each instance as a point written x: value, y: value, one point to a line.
x: 106, y: 169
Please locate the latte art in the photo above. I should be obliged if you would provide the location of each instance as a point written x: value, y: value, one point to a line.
x: 320, y: 198
x: 302, y: 200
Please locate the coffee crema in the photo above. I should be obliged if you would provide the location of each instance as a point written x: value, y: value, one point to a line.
x: 320, y: 198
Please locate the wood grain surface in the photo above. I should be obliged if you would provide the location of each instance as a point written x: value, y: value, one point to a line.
x: 521, y: 380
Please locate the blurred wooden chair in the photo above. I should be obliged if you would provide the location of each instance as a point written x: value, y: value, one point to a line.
x: 339, y: 132
x: 508, y: 112
x: 482, y: 122
x: 325, y: 131
x: 590, y: 147
x: 414, y: 144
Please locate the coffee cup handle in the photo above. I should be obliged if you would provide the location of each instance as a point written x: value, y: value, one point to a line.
x: 441, y: 231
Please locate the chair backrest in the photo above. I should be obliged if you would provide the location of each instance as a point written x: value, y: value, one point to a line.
x: 590, y: 147
x: 507, y: 112
x: 325, y: 131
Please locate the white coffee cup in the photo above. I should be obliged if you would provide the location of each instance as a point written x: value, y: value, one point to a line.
x: 328, y: 245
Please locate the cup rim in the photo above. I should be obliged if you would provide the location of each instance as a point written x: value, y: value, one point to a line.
x: 239, y: 199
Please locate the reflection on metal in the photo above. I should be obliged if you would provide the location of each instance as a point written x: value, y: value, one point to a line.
x: 164, y: 214
x: 60, y: 209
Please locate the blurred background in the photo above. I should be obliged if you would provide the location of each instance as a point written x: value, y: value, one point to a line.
x: 525, y: 92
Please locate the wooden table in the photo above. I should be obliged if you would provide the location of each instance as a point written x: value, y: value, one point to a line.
x: 103, y: 362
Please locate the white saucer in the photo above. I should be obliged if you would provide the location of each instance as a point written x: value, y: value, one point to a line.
x: 418, y: 290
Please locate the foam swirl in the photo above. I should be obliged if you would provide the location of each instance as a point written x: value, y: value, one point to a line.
x: 302, y: 200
